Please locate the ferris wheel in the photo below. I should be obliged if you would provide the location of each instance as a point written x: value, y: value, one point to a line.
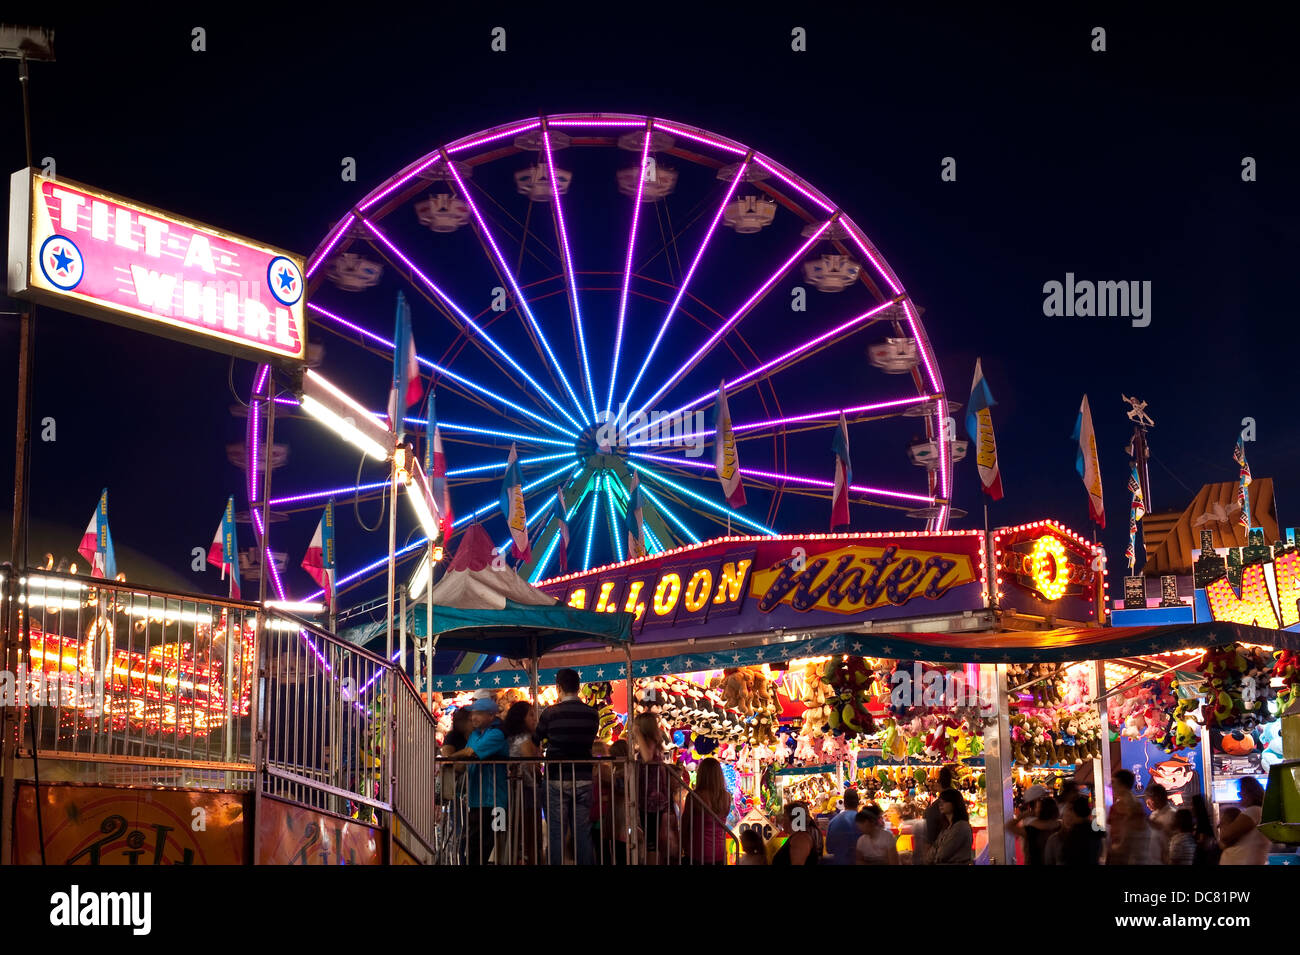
x: 582, y: 285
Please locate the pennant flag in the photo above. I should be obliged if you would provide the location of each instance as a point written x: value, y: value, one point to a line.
x: 224, y: 551
x: 406, y: 370
x: 726, y: 460
x: 1243, y: 482
x: 512, y: 508
x: 979, y: 427
x: 319, y: 559
x: 435, y: 467
x: 843, y: 475
x: 635, y: 525
x: 97, y: 543
x: 1086, y: 463
x: 562, y: 528
x: 1136, y: 511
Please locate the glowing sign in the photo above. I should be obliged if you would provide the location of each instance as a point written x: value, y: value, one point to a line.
x: 86, y: 251
x: 1049, y: 566
x: 1254, y: 607
x: 852, y: 579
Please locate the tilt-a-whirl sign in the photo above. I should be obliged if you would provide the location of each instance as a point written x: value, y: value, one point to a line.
x: 752, y: 584
x: 83, y: 250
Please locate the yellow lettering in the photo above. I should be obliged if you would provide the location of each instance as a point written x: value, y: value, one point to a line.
x: 578, y: 599
x: 664, y: 604
x: 631, y: 605
x: 605, y: 589
x: 699, y: 589
x: 730, y: 581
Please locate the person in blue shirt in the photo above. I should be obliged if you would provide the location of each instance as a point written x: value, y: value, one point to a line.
x: 486, y: 784
x: 842, y: 833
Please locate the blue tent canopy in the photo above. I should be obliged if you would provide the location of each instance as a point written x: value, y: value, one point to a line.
x: 523, y: 632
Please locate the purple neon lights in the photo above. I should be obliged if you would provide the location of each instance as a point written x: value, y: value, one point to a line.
x: 700, y: 137
x: 793, y: 184
x: 446, y: 300
x: 374, y: 197
x: 738, y: 315
x: 627, y: 267
x: 332, y: 492
x: 790, y: 478
x: 557, y: 207
x: 690, y: 273
x: 443, y: 372
x: 499, y: 133
x: 510, y: 277
x: 321, y: 254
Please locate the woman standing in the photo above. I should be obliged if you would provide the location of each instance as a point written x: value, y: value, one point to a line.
x: 803, y: 846
x: 704, y: 831
x: 1035, y: 824
x: 1243, y: 843
x: 1207, y: 845
x: 954, y: 846
x: 525, y: 823
x: 655, y: 784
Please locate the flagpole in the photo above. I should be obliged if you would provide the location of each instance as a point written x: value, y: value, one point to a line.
x: 392, y: 554
x: 429, y: 641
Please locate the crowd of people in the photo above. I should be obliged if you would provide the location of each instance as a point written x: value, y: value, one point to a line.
x: 575, y: 809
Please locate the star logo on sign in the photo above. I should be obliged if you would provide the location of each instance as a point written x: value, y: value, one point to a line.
x: 947, y: 655
x: 975, y: 656
x: 885, y: 650
x: 286, y: 280
x: 478, y: 681
x: 689, y: 664
x: 61, y: 260
x: 1006, y: 657
x: 622, y: 672
x: 496, y: 680
x: 517, y: 679
x: 458, y: 684
x: 1035, y: 656
x: 643, y: 668
x: 759, y: 655
x: 857, y: 646
x: 735, y: 658
x: 665, y: 666
x: 600, y: 672
x: 712, y: 660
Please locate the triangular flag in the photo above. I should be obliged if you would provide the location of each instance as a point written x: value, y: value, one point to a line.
x: 406, y: 370
x: 97, y: 543
x: 512, y: 507
x: 979, y: 426
x: 726, y: 459
x: 635, y: 524
x: 843, y: 474
x: 319, y: 559
x: 435, y: 467
x: 1086, y: 463
x: 224, y: 551
x: 562, y: 529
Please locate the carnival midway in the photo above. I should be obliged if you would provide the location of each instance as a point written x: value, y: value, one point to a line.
x: 638, y: 597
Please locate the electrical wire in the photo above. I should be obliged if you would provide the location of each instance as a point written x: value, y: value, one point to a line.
x: 230, y: 379
x: 356, y: 500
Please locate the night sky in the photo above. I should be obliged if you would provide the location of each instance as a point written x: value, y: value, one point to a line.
x: 1122, y: 165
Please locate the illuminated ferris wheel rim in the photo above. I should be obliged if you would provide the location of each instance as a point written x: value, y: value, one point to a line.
x: 361, y: 223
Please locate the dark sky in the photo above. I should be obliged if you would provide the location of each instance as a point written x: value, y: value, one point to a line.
x: 1123, y: 165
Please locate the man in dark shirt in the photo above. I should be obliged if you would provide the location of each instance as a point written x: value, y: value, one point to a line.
x: 933, y: 816
x: 566, y: 731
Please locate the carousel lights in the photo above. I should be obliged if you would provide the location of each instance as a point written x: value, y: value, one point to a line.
x: 296, y: 606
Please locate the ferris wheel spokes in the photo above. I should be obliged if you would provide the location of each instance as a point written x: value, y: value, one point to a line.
x: 566, y: 260
x: 521, y: 303
x: 627, y: 266
x: 690, y: 273
x: 690, y: 363
x: 479, y: 333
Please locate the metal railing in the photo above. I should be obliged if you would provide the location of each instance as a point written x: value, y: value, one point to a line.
x: 144, y: 687
x: 137, y: 677
x: 537, y: 811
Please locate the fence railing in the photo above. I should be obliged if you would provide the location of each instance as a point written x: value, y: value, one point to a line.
x: 535, y: 811
x: 146, y: 687
x: 133, y: 676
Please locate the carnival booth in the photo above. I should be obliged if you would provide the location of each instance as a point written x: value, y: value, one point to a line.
x: 807, y: 664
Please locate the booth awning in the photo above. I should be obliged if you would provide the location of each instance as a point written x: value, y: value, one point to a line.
x: 1061, y: 645
x: 520, y: 632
